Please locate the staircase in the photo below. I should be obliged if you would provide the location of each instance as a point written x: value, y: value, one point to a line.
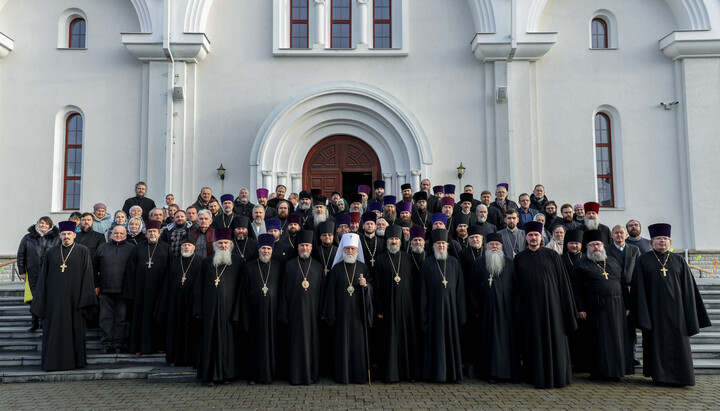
x: 705, y: 346
x: 20, y: 351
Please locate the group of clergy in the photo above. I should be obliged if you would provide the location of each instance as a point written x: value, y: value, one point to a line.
x: 316, y: 295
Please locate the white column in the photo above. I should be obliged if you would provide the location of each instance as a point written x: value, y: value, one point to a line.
x: 267, y: 179
x: 296, y: 182
x: 389, y: 189
x: 281, y: 178
x: 415, y: 180
x: 362, y: 21
x: 320, y: 21
x: 401, y: 178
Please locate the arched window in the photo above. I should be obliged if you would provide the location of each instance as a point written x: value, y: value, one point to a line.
x: 299, y: 24
x: 599, y: 30
x: 340, y: 24
x: 382, y: 24
x: 73, y: 162
x: 77, y: 33
x: 603, y: 160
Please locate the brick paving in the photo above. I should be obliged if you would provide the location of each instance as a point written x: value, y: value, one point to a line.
x: 633, y: 393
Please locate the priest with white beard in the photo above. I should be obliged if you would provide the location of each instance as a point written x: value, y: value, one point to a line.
x: 217, y: 288
x: 591, y: 222
x: 492, y: 298
x: 442, y: 307
x: 320, y: 213
x: 347, y: 313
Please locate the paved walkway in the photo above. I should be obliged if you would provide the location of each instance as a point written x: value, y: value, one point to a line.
x: 632, y: 394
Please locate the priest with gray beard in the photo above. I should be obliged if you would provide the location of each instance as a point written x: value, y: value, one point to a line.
x: 601, y: 297
x: 492, y: 298
x: 221, y: 351
x: 442, y: 307
x: 591, y: 222
x: 320, y: 213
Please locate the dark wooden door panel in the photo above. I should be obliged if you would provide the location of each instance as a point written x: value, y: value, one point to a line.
x: 331, y: 156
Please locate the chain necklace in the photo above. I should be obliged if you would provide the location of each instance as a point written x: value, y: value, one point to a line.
x: 265, y: 279
x: 423, y: 221
x: 217, y: 276
x: 64, y: 259
x: 415, y: 262
x: 184, y: 271
x: 242, y: 253
x: 226, y: 225
x: 290, y: 241
x: 326, y: 260
x: 350, y: 288
x: 570, y: 259
x: 662, y: 264
x: 372, y: 255
x: 444, y: 279
x: 472, y: 250
x: 149, y: 262
x: 305, y: 283
x: 397, y: 272
x: 603, y: 268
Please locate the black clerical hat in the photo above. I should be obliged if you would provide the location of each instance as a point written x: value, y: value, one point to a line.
x: 304, y: 237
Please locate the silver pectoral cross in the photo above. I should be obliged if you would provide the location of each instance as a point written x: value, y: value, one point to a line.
x: 149, y: 263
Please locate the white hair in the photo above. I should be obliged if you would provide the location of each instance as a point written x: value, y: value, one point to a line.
x: 597, y: 257
x: 349, y: 258
x: 417, y: 249
x: 221, y: 257
x: 441, y: 255
x: 205, y: 211
x: 393, y: 249
x: 592, y: 224
x: 495, y: 262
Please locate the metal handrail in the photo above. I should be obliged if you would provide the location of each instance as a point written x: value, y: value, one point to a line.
x: 15, y: 272
x: 8, y: 263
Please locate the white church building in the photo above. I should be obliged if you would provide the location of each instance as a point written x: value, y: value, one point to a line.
x: 615, y: 101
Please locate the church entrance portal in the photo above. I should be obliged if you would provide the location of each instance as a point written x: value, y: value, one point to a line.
x: 340, y: 163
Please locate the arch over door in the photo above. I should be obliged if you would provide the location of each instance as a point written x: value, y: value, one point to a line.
x: 340, y: 163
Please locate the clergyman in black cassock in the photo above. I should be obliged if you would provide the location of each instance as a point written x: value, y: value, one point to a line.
x: 546, y: 312
x: 144, y: 285
x: 215, y: 304
x: 345, y: 313
x: 182, y: 326
x: 395, y: 289
x: 668, y: 309
x: 300, y: 307
x: 443, y: 312
x: 579, y: 339
x: 260, y: 288
x: 492, y: 297
x: 63, y: 298
x: 601, y: 295
x: 324, y: 252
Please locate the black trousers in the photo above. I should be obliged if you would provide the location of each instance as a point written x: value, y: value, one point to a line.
x: 112, y: 320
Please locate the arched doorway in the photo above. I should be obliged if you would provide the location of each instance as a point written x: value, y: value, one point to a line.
x: 340, y: 163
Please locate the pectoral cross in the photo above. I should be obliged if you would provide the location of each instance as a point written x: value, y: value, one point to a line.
x: 149, y: 263
x: 664, y: 271
x: 63, y: 266
x: 265, y: 290
x: 372, y: 262
x: 326, y: 271
x: 217, y: 281
x: 444, y: 282
x: 490, y: 280
x: 605, y: 274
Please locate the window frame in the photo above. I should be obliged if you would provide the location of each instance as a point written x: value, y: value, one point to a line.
x: 347, y: 22
x: 82, y: 35
x: 387, y: 21
x: 594, y: 35
x: 609, y: 146
x: 306, y: 22
x: 67, y: 148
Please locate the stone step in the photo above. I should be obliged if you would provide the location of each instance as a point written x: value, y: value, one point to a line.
x: 32, y: 359
x: 712, y: 302
x: 23, y: 333
x: 706, y: 337
x: 706, y: 366
x: 699, y: 351
x: 16, y: 320
x: 12, y: 310
x: 101, y: 372
x: 12, y: 300
x: 35, y: 344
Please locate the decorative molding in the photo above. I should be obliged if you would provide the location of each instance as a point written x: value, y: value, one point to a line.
x: 531, y: 47
x: 191, y: 47
x: 689, y: 44
x: 196, y: 16
x: 144, y: 17
x: 483, y: 15
x: 387, y: 175
x: 267, y: 173
x: 6, y: 46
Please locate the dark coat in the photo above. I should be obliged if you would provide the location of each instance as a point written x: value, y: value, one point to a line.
x: 243, y: 209
x: 92, y: 240
x: 109, y: 265
x: 628, y: 262
x: 31, y: 252
x: 145, y: 203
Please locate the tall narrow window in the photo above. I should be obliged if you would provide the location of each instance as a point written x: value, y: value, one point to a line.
x: 340, y: 24
x: 599, y: 31
x: 73, y: 162
x: 382, y: 24
x: 603, y: 160
x: 299, y: 24
x: 77, y: 33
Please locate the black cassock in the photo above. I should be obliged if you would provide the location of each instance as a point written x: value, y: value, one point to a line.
x: 579, y: 339
x: 220, y: 357
x: 395, y: 292
x: 344, y: 312
x: 546, y: 315
x: 300, y: 308
x: 247, y: 249
x: 259, y: 316
x: 145, y: 287
x: 443, y: 312
x: 182, y: 326
x: 64, y: 300
x: 493, y: 305
x: 668, y: 309
x: 325, y: 255
x: 609, y: 351
x: 471, y: 331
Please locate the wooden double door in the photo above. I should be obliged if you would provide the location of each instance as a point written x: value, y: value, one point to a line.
x: 340, y: 163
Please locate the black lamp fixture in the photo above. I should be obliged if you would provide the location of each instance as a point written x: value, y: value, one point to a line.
x: 221, y: 172
x: 461, y: 170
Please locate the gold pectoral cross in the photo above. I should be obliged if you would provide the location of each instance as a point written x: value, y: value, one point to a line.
x: 445, y: 282
x: 605, y: 274
x: 63, y: 266
x: 490, y: 280
x: 217, y: 281
x: 664, y: 271
x: 372, y: 262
